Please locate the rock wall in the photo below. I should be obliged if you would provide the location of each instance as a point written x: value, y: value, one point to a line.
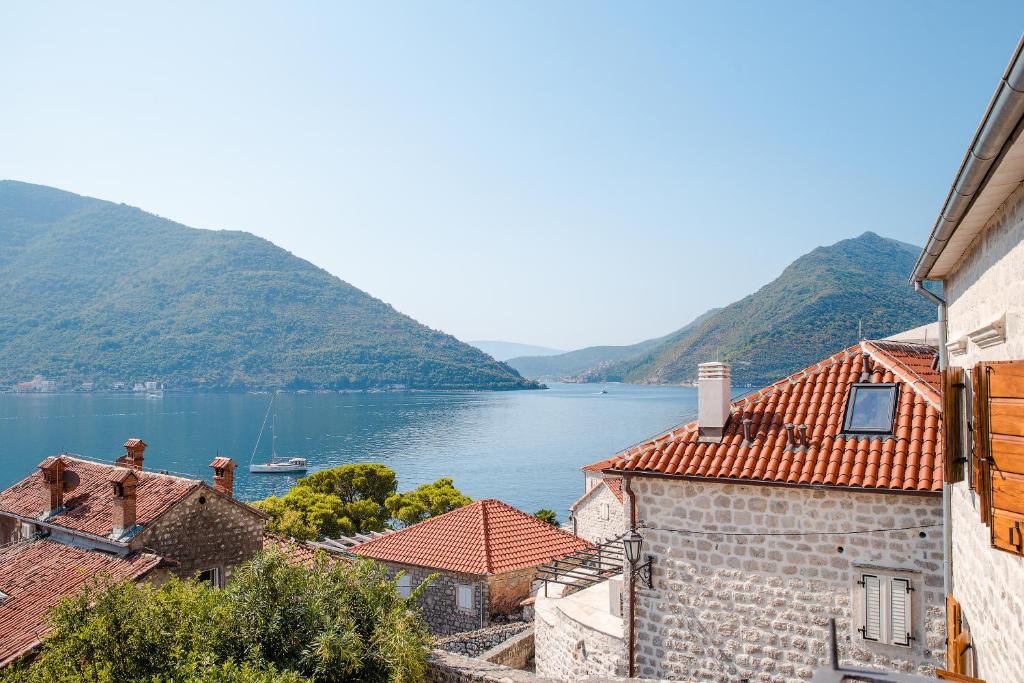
x: 725, y: 608
x: 506, y: 591
x: 989, y: 284
x: 577, y: 636
x: 476, y: 643
x: 448, y: 667
x: 438, y: 602
x: 516, y: 652
x: 204, y: 531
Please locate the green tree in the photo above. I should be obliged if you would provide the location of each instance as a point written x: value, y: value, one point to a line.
x: 427, y: 500
x: 275, y: 622
x: 340, y: 501
x: 546, y: 515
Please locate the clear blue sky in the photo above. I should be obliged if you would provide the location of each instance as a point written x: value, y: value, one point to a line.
x: 561, y: 173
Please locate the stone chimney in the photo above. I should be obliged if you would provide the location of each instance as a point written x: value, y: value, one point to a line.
x: 53, y: 476
x: 133, y: 449
x: 713, y: 390
x: 223, y: 475
x: 123, y: 482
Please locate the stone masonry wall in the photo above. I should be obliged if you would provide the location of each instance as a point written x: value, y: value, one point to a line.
x: 448, y: 667
x: 438, y: 602
x: 506, y: 591
x: 725, y: 608
x: 567, y: 650
x: 476, y: 643
x: 204, y: 531
x: 590, y: 525
x: 989, y: 283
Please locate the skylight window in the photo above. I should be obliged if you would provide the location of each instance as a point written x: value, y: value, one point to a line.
x: 871, y: 409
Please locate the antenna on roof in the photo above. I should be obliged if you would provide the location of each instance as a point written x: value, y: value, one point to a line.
x: 860, y: 329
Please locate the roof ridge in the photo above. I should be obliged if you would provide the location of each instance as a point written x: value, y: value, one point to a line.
x: 918, y: 383
x: 102, y: 463
x: 486, y: 535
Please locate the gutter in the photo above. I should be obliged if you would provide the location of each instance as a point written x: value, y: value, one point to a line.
x: 631, y: 655
x: 1001, y: 119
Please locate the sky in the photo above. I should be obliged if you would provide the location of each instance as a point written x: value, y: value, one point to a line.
x: 561, y: 174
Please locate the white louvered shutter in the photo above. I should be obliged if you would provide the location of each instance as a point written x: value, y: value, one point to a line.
x: 872, y: 592
x: 899, y: 611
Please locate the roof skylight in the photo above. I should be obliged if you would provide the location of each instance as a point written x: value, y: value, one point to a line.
x: 870, y: 409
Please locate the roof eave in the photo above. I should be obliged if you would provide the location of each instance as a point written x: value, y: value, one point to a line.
x: 777, y: 484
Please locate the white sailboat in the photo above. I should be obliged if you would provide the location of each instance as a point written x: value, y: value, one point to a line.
x: 275, y: 464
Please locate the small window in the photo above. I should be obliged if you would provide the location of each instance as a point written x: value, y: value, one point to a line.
x: 871, y: 409
x: 3, y: 596
x: 210, y: 576
x: 604, y: 511
x: 404, y: 585
x: 885, y: 610
x: 465, y: 596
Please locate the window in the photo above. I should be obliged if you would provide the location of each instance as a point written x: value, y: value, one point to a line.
x: 3, y: 596
x: 885, y: 609
x: 604, y: 511
x: 210, y: 576
x: 870, y: 409
x: 464, y: 596
x: 404, y: 585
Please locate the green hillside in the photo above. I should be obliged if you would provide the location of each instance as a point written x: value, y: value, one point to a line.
x: 109, y: 293
x: 809, y: 312
x: 593, y: 358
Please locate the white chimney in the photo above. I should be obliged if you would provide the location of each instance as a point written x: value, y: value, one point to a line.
x: 712, y: 400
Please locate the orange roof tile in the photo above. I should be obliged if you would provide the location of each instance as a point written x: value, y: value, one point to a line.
x: 908, y: 460
x: 485, y: 537
x: 615, y: 485
x: 601, y: 464
x: 36, y: 575
x: 88, y: 507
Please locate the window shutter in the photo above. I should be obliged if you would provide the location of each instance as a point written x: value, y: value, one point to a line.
x: 872, y: 592
x: 899, y: 611
x: 979, y: 437
x: 1005, y: 462
x: 952, y: 423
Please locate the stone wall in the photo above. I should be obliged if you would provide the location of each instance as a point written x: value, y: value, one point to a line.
x: 204, y: 531
x: 989, y: 283
x: 475, y: 643
x: 577, y: 636
x: 506, y: 591
x: 728, y: 607
x: 516, y: 652
x: 588, y: 515
x: 438, y: 602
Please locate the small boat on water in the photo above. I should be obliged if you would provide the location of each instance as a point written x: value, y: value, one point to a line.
x: 276, y: 463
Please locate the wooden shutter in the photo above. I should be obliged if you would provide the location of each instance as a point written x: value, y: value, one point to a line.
x: 952, y: 423
x: 958, y: 642
x: 899, y: 612
x: 871, y: 590
x: 1005, y: 464
x: 979, y: 438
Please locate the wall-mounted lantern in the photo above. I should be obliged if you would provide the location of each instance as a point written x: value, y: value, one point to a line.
x: 633, y: 544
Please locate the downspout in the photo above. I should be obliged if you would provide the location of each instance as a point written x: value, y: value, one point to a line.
x: 947, y: 532
x: 632, y: 579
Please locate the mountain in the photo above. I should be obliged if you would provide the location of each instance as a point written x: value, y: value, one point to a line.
x: 503, y: 350
x: 108, y: 293
x: 813, y: 309
x: 572, y: 363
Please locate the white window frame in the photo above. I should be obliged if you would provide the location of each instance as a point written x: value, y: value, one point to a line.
x: 885, y: 613
x: 404, y: 585
x: 463, y: 590
x: 604, y: 512
x: 214, y: 576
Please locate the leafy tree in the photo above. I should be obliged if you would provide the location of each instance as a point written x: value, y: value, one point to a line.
x: 275, y: 622
x: 337, y: 502
x: 546, y: 515
x: 427, y: 500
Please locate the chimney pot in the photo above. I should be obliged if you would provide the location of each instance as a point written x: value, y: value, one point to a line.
x: 124, y: 506
x: 746, y: 430
x: 53, y: 475
x: 713, y: 389
x: 223, y: 475
x: 133, y: 449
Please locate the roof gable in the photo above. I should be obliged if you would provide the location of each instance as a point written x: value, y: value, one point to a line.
x: 909, y: 460
x: 485, y: 537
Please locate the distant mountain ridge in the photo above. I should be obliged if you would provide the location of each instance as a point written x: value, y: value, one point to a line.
x: 503, y: 350
x: 817, y: 306
x: 104, y: 292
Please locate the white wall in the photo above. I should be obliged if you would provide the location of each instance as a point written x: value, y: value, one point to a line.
x: 588, y: 514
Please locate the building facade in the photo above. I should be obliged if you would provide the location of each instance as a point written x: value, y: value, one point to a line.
x: 598, y: 515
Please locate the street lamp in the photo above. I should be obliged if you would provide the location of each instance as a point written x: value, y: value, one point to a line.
x: 633, y: 544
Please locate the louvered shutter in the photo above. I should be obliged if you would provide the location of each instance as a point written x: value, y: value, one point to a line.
x: 952, y: 423
x: 871, y: 590
x: 899, y: 612
x: 979, y: 437
x: 1005, y: 465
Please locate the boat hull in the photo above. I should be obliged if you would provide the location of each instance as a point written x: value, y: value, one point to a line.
x: 273, y: 469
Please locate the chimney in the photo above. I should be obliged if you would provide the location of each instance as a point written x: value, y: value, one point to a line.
x: 132, y: 457
x: 123, y: 482
x: 53, y: 475
x: 712, y: 401
x: 223, y: 475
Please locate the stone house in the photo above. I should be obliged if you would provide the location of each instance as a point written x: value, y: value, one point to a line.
x: 598, y: 515
x: 111, y: 516
x: 976, y: 250
x: 484, y: 557
x: 814, y: 498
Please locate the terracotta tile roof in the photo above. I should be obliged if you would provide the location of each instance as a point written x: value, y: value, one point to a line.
x: 485, y: 537
x: 88, y: 506
x: 615, y: 485
x: 36, y: 575
x: 910, y: 460
x: 601, y: 464
x: 299, y: 553
x: 612, y: 483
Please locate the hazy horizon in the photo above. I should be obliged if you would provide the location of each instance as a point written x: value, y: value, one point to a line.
x: 558, y: 176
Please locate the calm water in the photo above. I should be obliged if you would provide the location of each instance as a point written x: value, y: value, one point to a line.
x: 524, y: 447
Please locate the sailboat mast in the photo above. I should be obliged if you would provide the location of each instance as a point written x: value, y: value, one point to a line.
x: 273, y: 438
